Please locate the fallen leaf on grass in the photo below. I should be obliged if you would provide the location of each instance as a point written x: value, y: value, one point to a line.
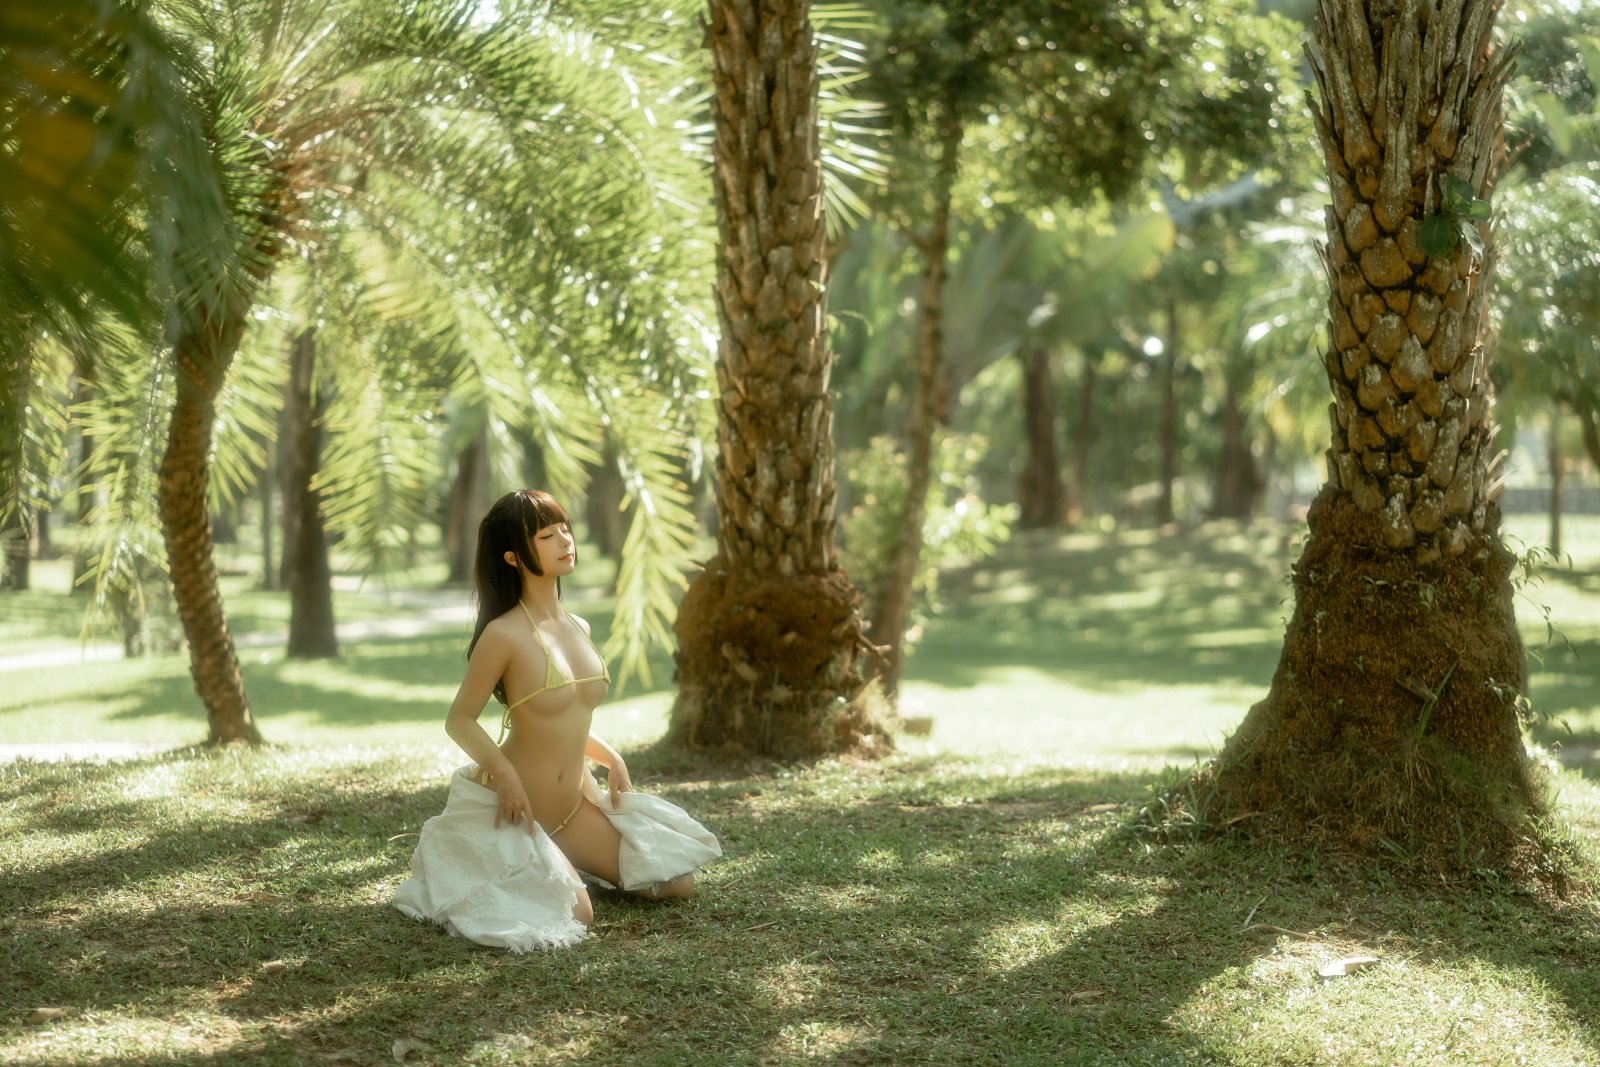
x: 1084, y: 994
x: 1096, y: 809
x: 404, y: 1047
x: 44, y: 1015
x: 504, y: 1043
x: 1348, y: 965
x: 274, y: 967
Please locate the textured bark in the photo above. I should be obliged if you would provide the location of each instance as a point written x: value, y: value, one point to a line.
x: 202, y: 354
x: 307, y: 572
x: 1039, y: 490
x: 1391, y: 722
x: 1407, y: 101
x: 1169, y: 417
x: 892, y: 601
x: 769, y: 634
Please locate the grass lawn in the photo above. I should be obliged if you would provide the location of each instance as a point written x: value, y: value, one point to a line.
x: 974, y: 899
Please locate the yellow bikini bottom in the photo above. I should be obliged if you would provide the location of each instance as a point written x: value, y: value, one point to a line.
x: 484, y: 778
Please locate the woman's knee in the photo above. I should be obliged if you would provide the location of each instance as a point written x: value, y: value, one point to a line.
x: 582, y: 908
x: 680, y: 887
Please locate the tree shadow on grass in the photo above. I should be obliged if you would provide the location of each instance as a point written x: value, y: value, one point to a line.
x: 939, y: 926
x: 916, y: 913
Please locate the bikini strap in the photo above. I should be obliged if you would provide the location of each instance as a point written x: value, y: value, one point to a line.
x: 605, y: 671
x: 505, y: 716
x: 534, y: 627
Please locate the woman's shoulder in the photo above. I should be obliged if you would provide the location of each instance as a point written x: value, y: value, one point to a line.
x: 583, y: 623
x: 503, y: 629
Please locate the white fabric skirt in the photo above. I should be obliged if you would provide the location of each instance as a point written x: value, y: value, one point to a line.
x: 510, y: 889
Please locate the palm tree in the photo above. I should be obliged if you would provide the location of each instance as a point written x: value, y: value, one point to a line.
x: 1393, y: 717
x: 516, y: 160
x: 769, y: 633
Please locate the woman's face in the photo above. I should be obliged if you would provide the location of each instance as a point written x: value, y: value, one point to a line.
x: 555, y: 550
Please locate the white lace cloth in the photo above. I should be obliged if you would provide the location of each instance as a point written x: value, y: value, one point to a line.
x: 509, y: 889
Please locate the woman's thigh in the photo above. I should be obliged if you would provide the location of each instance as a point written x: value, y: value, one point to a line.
x: 592, y: 843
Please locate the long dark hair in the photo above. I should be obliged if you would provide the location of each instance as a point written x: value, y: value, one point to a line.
x: 509, y: 527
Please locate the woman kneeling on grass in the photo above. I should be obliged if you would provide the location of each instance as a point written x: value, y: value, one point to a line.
x: 524, y: 826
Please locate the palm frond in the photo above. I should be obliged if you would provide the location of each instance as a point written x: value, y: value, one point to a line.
x: 247, y: 409
x: 660, y: 537
x: 102, y: 158
x: 125, y: 412
x: 33, y: 426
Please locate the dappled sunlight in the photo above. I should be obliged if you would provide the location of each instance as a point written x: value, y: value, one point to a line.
x: 879, y: 861
x: 824, y: 1040
x: 1392, y: 1012
x: 1016, y: 945
x: 111, y: 1037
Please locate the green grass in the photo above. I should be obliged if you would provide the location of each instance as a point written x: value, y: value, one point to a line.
x: 974, y: 899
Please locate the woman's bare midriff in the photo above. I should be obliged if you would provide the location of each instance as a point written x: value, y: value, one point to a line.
x: 546, y: 745
x: 549, y: 733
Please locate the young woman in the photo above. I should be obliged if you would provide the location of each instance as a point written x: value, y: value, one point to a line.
x: 526, y: 824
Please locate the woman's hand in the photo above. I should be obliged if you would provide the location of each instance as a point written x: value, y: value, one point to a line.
x: 618, y: 781
x: 513, y: 803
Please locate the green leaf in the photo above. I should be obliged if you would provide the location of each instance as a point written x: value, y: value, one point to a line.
x: 1458, y: 195
x: 1590, y: 48
x: 1557, y: 120
x: 1470, y: 233
x: 1438, y: 236
x: 1479, y: 211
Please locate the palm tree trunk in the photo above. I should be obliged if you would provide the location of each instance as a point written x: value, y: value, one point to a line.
x: 1588, y: 424
x: 1083, y: 439
x: 213, y: 319
x: 607, y: 520
x: 892, y: 601
x: 1039, y: 489
x: 1239, y: 483
x: 269, y: 553
x: 469, y: 500
x: 769, y: 633
x: 1169, y: 417
x: 1557, y: 476
x: 309, y: 577
x: 202, y: 353
x: 87, y: 490
x: 14, y: 534
x: 1391, y: 723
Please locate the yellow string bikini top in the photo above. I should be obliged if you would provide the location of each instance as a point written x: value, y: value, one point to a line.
x: 553, y: 678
